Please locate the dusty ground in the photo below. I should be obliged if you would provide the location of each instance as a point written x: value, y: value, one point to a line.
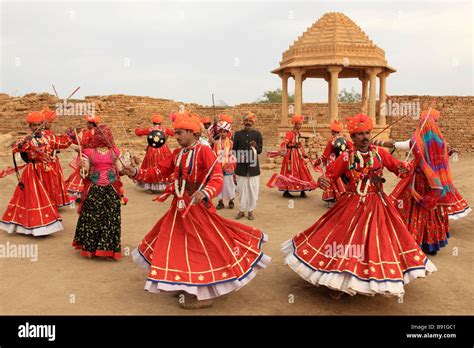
x: 62, y: 282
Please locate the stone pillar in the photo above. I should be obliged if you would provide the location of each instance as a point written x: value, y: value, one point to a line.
x: 382, y: 97
x: 365, y: 100
x: 328, y: 80
x: 284, y: 98
x: 372, y: 72
x: 298, y: 74
x: 334, y: 91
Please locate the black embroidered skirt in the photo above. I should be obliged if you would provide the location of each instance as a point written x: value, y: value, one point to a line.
x: 98, y: 227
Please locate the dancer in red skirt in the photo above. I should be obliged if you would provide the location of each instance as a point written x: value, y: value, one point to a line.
x: 222, y: 146
x: 202, y: 254
x: 154, y: 155
x: 293, y: 162
x: 75, y: 183
x: 55, y: 182
x: 361, y: 245
x: 427, y: 198
x: 332, y: 193
x: 32, y: 210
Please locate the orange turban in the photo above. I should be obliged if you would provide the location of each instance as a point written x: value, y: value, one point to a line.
x: 187, y: 121
x: 359, y: 123
x: 226, y: 118
x: 297, y: 119
x: 35, y: 117
x: 156, y: 118
x: 49, y: 115
x: 435, y: 114
x: 206, y: 119
x: 336, y: 126
x: 249, y: 116
x: 93, y: 118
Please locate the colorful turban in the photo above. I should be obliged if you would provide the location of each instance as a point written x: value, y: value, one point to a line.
x: 102, y: 137
x: 35, y: 117
x: 434, y: 114
x: 187, y: 121
x: 297, y: 119
x: 49, y: 115
x: 226, y: 118
x: 336, y: 126
x: 156, y: 118
x: 249, y: 116
x: 223, y: 125
x: 93, y: 119
x: 359, y: 123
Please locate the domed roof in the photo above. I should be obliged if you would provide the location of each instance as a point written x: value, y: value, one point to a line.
x: 334, y: 39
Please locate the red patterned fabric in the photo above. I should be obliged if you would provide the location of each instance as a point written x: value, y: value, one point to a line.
x: 337, y: 187
x: 32, y: 210
x: 389, y: 256
x: 154, y: 155
x: 75, y: 183
x: 203, y: 249
x: 293, y: 163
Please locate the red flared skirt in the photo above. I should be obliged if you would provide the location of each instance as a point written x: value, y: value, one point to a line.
x: 293, y: 164
x: 358, y: 246
x: 31, y: 210
x: 202, y: 254
x: 54, y: 183
x: 152, y: 158
x: 334, y: 191
x: 429, y: 227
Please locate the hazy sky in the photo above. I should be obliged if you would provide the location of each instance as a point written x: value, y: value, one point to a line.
x: 187, y: 50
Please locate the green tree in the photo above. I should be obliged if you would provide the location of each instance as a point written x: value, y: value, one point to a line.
x: 275, y: 97
x: 351, y: 96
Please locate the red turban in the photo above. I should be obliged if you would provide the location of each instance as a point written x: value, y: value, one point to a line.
x: 35, y: 117
x: 336, y: 126
x: 206, y: 119
x: 93, y: 118
x: 156, y: 118
x: 187, y: 121
x: 49, y: 115
x: 297, y: 119
x: 359, y: 123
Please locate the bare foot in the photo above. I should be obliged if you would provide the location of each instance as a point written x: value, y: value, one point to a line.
x: 191, y: 302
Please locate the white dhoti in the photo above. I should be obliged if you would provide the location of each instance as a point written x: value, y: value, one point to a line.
x: 228, y: 189
x: 247, y: 190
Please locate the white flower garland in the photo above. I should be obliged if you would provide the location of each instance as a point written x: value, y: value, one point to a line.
x: 180, y: 190
x: 367, y: 182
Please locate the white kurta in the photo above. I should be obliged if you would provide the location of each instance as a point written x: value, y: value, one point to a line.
x: 247, y: 190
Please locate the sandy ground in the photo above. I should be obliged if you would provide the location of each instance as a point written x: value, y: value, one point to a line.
x: 62, y: 282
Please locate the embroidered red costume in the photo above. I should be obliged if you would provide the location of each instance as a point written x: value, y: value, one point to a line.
x: 293, y: 162
x: 202, y: 254
x: 75, y: 183
x: 55, y: 184
x: 154, y: 155
x: 361, y: 245
x: 332, y: 193
x: 31, y: 209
